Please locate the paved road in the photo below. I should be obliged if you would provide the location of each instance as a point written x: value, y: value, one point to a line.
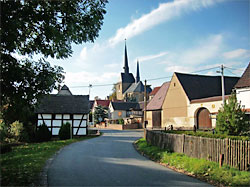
x: 111, y: 160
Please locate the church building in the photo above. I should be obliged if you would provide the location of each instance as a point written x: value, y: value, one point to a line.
x: 129, y: 88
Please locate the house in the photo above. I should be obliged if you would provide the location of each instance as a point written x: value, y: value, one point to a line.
x: 128, y: 88
x: 57, y: 109
x: 154, y: 107
x: 120, y: 110
x: 192, y: 100
x: 99, y: 102
x: 154, y: 91
x: 242, y: 89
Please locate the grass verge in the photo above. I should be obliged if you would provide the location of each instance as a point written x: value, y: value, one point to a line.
x: 23, y: 164
x: 200, y: 168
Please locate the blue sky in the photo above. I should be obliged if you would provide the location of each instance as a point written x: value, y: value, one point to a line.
x: 165, y: 36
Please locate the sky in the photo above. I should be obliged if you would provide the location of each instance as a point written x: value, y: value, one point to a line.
x: 165, y: 36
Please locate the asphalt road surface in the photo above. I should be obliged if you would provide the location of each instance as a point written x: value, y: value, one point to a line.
x: 111, y: 160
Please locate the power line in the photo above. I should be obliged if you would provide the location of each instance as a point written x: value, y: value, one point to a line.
x: 234, y: 69
x: 153, y: 79
x: 230, y: 71
x: 93, y: 85
x: 206, y: 69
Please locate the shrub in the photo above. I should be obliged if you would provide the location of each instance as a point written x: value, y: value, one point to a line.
x: 231, y: 119
x: 15, y: 132
x: 43, y: 133
x: 64, y: 132
x: 120, y: 121
x: 3, y: 131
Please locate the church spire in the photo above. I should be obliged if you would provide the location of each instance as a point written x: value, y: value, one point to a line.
x: 126, y: 68
x: 137, y: 73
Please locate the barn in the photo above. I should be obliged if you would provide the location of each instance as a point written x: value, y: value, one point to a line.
x: 57, y: 109
x: 193, y: 100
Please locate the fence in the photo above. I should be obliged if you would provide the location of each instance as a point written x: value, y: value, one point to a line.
x: 235, y: 153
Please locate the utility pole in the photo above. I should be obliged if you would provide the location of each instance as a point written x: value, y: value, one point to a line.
x: 145, y: 108
x: 222, y: 84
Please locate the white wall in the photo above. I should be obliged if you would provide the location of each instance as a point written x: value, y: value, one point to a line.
x: 57, y: 122
x: 243, y: 96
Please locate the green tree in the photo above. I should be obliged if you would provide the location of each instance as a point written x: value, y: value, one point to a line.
x: 113, y: 96
x: 47, y: 28
x: 231, y: 119
x: 100, y: 114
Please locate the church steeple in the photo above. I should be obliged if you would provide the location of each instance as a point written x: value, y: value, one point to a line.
x: 126, y: 68
x: 137, y: 73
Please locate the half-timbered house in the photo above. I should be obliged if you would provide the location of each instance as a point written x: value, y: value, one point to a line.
x: 57, y: 109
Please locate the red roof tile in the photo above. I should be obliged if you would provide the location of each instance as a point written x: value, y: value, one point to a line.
x: 245, y: 79
x: 103, y: 102
x: 158, y: 99
x: 209, y: 99
x: 155, y: 90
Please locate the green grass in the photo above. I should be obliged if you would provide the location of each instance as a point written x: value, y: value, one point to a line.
x: 23, y: 164
x: 207, y: 170
x: 208, y: 135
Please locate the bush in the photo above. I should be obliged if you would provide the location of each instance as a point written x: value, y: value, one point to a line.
x: 64, y: 132
x: 43, y: 133
x: 3, y: 131
x: 231, y: 119
x: 15, y: 132
x: 120, y: 121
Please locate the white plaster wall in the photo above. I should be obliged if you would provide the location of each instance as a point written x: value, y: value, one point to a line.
x: 243, y: 97
x: 190, y: 120
x: 58, y: 116
x: 82, y: 131
x: 212, y: 106
x: 57, y: 123
x: 44, y: 116
x: 66, y: 116
x: 77, y: 116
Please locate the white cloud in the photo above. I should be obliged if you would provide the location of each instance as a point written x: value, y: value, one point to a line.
x: 165, y: 11
x: 181, y: 69
x: 207, y: 49
x: 83, y: 78
x: 152, y: 57
x: 83, y: 54
x: 205, y: 52
x: 113, y: 65
x: 237, y: 53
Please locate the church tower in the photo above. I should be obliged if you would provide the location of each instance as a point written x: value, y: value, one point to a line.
x: 137, y: 73
x: 126, y: 68
x: 126, y: 78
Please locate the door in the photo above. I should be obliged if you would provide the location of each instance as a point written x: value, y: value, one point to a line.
x: 156, y: 119
x: 203, y: 119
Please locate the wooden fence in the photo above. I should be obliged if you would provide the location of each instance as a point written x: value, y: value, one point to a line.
x: 235, y: 153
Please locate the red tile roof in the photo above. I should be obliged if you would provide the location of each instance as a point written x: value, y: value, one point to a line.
x: 157, y: 101
x: 209, y: 99
x: 245, y: 79
x: 103, y: 102
x: 155, y: 90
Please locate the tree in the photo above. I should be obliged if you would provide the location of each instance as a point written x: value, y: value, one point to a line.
x: 100, y: 114
x: 46, y: 28
x: 231, y: 119
x: 113, y: 96
x: 49, y: 27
